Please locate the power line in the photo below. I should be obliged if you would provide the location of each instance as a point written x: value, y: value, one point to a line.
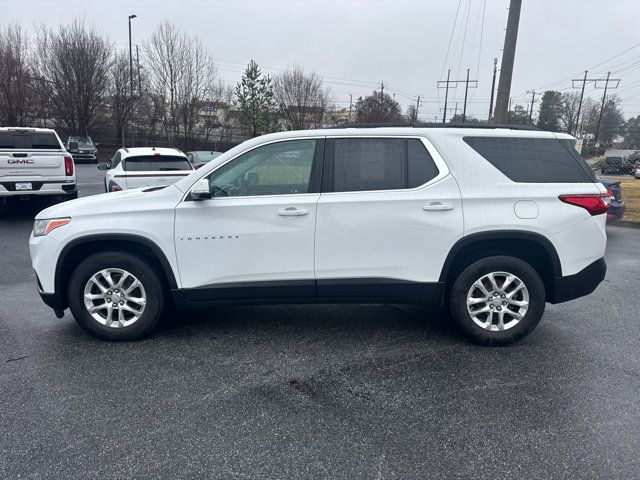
x: 453, y: 29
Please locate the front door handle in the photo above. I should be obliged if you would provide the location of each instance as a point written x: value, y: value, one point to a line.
x: 292, y: 212
x: 438, y: 207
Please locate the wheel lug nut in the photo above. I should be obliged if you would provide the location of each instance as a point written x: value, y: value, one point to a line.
x: 109, y: 292
x: 503, y: 296
x: 499, y: 309
x: 121, y: 303
x: 108, y: 300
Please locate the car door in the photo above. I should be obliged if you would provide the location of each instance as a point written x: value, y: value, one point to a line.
x: 254, y: 239
x: 387, y: 218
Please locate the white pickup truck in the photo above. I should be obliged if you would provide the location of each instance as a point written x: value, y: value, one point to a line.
x: 34, y: 163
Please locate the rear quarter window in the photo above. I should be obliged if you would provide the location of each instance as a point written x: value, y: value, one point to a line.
x: 533, y: 160
x: 146, y: 163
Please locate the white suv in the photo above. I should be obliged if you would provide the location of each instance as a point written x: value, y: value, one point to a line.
x: 144, y: 167
x: 493, y: 222
x: 34, y: 163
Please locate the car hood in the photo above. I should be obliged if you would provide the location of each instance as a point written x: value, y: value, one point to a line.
x: 124, y: 201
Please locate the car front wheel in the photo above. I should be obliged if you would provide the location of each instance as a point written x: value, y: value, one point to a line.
x: 116, y: 296
x: 497, y: 300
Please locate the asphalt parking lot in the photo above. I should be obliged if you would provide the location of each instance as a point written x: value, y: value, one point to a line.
x: 330, y: 391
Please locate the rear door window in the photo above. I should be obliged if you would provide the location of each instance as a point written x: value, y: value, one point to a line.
x: 533, y: 160
x: 146, y: 163
x: 29, y: 141
x: 369, y: 164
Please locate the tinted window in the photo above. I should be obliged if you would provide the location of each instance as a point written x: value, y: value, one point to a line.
x: 29, y: 141
x: 533, y: 160
x: 156, y: 163
x: 420, y: 166
x: 365, y: 164
x: 276, y: 169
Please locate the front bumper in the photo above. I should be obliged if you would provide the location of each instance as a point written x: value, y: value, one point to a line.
x: 580, y: 284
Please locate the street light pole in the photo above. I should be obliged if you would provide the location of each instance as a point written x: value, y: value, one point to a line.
x: 131, y: 17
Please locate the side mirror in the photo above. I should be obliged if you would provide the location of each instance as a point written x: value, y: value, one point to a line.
x: 200, y: 190
x: 104, y: 166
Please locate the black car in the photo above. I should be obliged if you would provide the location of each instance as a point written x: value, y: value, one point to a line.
x: 612, y: 165
x: 616, y: 207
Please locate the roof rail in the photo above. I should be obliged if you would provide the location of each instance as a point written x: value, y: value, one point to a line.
x: 435, y: 125
x: 126, y: 149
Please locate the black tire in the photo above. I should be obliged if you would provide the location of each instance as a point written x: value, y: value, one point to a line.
x: 475, y: 271
x: 136, y: 266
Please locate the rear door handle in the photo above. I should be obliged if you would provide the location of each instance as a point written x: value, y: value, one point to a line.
x: 292, y: 212
x: 438, y: 207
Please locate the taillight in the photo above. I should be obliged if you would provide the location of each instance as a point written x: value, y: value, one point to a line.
x: 116, y: 188
x: 610, y: 193
x: 68, y: 165
x: 594, y: 204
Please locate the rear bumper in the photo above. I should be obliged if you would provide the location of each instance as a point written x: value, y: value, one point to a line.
x: 615, y: 213
x: 580, y: 284
x: 40, y: 188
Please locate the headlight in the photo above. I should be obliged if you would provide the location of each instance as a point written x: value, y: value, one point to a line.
x: 43, y: 227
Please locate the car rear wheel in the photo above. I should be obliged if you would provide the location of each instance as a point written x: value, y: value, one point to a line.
x: 497, y: 300
x: 116, y: 296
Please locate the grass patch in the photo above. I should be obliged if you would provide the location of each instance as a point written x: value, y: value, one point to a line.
x: 631, y: 196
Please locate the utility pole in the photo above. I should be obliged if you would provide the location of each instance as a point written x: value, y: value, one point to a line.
x: 350, y: 104
x: 446, y: 97
x: 604, y: 97
x: 381, y: 93
x: 533, y: 99
x: 493, y: 86
x: 609, y: 84
x: 508, y: 56
x: 417, y: 107
x: 131, y: 17
x: 584, y: 82
x: 466, y: 91
x: 468, y: 84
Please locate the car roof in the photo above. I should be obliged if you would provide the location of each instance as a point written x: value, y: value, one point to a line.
x: 139, y: 151
x: 27, y: 129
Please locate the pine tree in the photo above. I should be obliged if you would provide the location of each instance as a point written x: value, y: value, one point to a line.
x: 254, y: 99
x: 550, y: 111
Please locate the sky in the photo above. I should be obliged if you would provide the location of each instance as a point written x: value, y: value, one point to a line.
x: 355, y: 45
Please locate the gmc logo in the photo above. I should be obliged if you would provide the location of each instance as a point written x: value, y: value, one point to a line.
x: 14, y: 161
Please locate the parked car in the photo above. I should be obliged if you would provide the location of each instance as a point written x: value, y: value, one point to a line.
x: 616, y: 207
x: 637, y: 171
x: 612, y: 165
x: 144, y: 167
x: 464, y: 217
x: 82, y: 149
x: 34, y: 163
x: 198, y: 159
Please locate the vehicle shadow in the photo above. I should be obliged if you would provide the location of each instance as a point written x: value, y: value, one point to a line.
x: 14, y: 209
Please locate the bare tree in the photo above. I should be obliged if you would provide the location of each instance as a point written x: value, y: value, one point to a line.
x: 119, y: 101
x: 16, y: 77
x: 378, y: 107
x: 181, y: 77
x: 74, y: 64
x: 302, y: 98
x: 412, y: 113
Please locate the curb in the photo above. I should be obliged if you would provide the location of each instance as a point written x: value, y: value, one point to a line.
x: 625, y: 223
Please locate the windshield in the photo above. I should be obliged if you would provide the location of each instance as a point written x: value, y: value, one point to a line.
x: 205, y: 156
x: 82, y: 142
